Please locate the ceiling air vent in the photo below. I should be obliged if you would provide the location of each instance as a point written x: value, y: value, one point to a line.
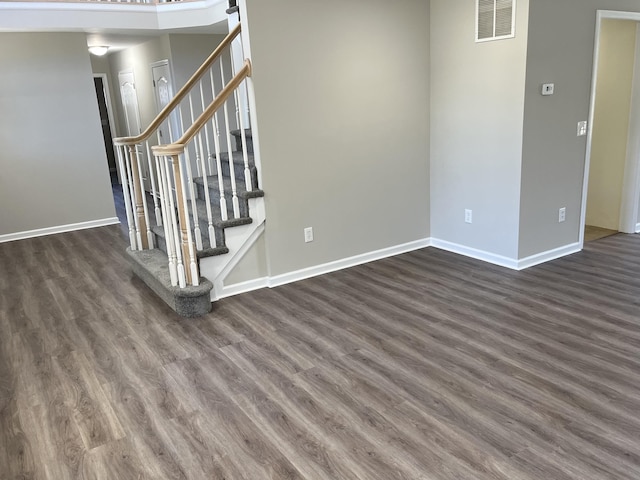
x: 495, y: 19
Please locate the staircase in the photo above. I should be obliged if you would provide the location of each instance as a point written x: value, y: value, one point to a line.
x: 194, y: 206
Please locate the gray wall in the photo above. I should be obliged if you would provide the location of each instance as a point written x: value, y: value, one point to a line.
x: 477, y: 108
x: 611, y: 122
x: 343, y: 117
x: 53, y: 165
x: 189, y: 51
x: 560, y: 50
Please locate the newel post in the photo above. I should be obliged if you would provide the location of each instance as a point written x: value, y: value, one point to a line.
x: 138, y: 190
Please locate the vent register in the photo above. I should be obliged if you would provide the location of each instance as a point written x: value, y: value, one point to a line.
x: 495, y: 19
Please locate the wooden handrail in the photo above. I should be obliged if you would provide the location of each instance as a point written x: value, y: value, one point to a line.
x: 182, y: 93
x: 178, y: 147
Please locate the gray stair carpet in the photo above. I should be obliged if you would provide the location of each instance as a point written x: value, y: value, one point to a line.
x: 152, y: 265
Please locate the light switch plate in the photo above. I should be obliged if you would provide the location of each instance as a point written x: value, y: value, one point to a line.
x: 582, y: 129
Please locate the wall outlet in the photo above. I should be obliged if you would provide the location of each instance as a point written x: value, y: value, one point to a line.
x: 468, y: 216
x: 548, y: 89
x: 308, y: 234
x: 562, y: 214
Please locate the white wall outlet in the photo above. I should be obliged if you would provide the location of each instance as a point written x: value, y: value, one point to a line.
x: 468, y: 216
x: 582, y: 128
x: 562, y: 214
x: 308, y: 234
x: 548, y: 89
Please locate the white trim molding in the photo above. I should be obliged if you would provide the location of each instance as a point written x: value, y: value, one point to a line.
x: 305, y: 273
x: 243, y: 287
x: 549, y: 255
x: 347, y: 262
x: 10, y: 237
x: 475, y: 253
x: 637, y: 227
x: 507, y: 262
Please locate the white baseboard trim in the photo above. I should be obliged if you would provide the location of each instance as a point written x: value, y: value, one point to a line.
x: 513, y: 264
x: 507, y: 262
x: 475, y: 253
x: 347, y: 262
x: 637, y: 227
x: 10, y: 237
x: 243, y: 287
x: 549, y: 255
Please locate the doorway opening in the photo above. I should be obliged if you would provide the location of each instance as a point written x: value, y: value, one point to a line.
x: 106, y: 120
x: 104, y: 108
x: 611, y: 188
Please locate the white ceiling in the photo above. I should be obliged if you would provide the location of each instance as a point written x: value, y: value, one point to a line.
x: 119, y: 39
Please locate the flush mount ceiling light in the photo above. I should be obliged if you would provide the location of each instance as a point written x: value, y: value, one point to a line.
x: 98, y: 50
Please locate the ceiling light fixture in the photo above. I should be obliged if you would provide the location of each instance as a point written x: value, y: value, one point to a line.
x: 98, y: 50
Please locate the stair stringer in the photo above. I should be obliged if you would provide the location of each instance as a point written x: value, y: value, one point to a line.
x: 239, y: 241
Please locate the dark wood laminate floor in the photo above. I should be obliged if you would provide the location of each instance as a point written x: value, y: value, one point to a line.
x: 423, y: 366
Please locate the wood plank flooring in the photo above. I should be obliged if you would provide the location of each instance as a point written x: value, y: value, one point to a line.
x: 424, y: 366
x: 592, y: 233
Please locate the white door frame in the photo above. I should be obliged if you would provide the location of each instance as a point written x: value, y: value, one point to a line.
x: 631, y: 188
x: 107, y: 97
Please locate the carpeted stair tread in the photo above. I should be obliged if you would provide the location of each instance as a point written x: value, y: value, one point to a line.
x: 237, y: 135
x: 207, y: 250
x: 152, y: 267
x: 238, y: 158
x: 241, y: 191
x: 247, y: 132
x: 201, y: 208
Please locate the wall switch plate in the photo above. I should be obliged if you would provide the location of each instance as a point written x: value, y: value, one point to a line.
x: 562, y: 214
x: 582, y: 129
x: 468, y: 216
x: 548, y: 89
x: 308, y: 234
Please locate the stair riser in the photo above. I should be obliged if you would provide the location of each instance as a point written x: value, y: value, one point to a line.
x: 161, y: 243
x: 238, y: 170
x: 215, y: 197
x: 238, y: 139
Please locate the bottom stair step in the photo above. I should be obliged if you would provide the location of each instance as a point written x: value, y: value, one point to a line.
x: 153, y: 269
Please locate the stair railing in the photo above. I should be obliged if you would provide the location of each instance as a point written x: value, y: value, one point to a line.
x: 141, y: 180
x: 180, y: 211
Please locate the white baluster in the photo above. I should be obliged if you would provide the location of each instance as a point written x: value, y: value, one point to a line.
x: 245, y: 154
x: 194, y: 205
x: 206, y: 135
x: 216, y: 139
x: 143, y: 196
x: 153, y: 173
x: 207, y: 199
x: 198, y: 152
x: 181, y: 194
x: 182, y: 278
x: 132, y: 185
x: 232, y: 174
x: 168, y: 218
x: 127, y: 196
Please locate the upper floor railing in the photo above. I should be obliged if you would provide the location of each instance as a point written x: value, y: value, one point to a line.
x: 135, y: 2
x: 148, y: 15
